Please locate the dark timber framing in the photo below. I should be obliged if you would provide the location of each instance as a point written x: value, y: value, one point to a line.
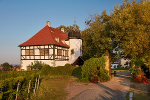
x: 52, y: 52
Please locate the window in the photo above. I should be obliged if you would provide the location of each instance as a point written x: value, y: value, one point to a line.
x: 57, y: 39
x: 41, y: 51
x: 63, y: 41
x: 72, y: 51
x: 66, y: 53
x: 44, y: 51
x: 59, y: 52
x: 30, y: 52
x: 27, y: 52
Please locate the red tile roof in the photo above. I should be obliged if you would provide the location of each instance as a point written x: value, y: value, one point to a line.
x: 46, y: 36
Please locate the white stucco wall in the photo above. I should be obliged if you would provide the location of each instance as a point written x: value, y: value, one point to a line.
x: 25, y: 63
x: 75, y: 44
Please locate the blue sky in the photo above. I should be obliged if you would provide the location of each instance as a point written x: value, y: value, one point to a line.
x: 21, y: 19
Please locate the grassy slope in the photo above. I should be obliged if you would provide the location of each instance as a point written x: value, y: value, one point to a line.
x: 52, y: 88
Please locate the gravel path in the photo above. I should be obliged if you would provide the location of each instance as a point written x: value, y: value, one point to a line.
x: 115, y: 89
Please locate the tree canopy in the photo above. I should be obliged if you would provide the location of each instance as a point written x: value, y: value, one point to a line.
x: 127, y: 27
x: 130, y: 24
x: 97, y: 37
x: 6, y: 64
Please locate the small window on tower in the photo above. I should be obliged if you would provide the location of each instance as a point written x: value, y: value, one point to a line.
x: 72, y: 51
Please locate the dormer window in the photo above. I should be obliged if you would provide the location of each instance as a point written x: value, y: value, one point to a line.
x: 63, y: 41
x: 52, y: 31
x: 57, y: 39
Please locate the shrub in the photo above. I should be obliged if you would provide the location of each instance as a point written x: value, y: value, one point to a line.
x: 62, y: 70
x: 77, y: 72
x: 36, y: 65
x: 135, y: 72
x: 94, y: 66
x: 103, y: 74
x: 46, y: 69
x: 68, y: 68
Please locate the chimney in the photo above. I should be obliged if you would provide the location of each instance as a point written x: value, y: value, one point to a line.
x: 62, y: 29
x: 48, y: 23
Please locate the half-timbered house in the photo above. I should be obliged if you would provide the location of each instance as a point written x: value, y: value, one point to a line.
x: 51, y: 46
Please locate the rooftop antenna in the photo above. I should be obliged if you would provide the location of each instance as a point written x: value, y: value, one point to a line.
x: 74, y: 20
x: 75, y: 25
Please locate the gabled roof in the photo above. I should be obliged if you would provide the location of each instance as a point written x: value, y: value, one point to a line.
x: 46, y: 36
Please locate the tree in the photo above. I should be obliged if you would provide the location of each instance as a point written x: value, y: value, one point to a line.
x: 6, y: 65
x: 67, y: 28
x: 97, y: 37
x: 130, y: 24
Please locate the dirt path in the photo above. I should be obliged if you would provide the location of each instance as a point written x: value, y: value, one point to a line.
x: 115, y: 89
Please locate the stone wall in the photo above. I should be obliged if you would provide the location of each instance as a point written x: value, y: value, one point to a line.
x: 107, y: 67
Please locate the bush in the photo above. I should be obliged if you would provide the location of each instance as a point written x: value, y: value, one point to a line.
x: 62, y: 70
x: 36, y: 65
x: 103, y: 74
x: 135, y: 72
x: 77, y: 72
x: 46, y: 69
x: 68, y: 68
x: 95, y: 66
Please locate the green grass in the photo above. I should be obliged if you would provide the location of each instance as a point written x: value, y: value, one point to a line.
x: 120, y: 69
x: 52, y: 88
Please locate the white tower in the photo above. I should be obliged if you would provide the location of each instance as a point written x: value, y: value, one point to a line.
x: 75, y: 43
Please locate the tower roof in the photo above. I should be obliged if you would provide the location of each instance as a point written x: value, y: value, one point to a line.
x: 47, y: 35
x: 74, y: 34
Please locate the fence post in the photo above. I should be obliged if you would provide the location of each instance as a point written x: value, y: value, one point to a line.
x: 35, y: 85
x: 17, y: 90
x: 29, y: 89
x: 38, y: 82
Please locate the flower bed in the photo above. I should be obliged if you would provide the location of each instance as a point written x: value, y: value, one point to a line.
x: 141, y: 79
x: 95, y: 79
